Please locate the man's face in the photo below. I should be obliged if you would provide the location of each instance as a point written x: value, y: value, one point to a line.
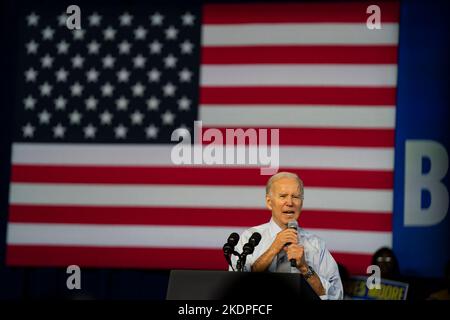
x: 284, y: 201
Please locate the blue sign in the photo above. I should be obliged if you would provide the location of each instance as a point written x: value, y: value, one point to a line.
x: 421, y: 223
x: 388, y: 290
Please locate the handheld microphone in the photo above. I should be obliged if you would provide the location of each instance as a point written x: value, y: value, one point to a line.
x: 292, y: 225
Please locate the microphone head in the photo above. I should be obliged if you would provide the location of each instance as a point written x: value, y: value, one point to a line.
x: 248, y: 248
x: 227, y: 249
x: 233, y: 239
x: 255, y: 239
x: 293, y: 224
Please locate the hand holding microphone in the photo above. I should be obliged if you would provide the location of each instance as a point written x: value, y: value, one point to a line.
x: 285, y: 238
x: 294, y: 251
x: 293, y: 225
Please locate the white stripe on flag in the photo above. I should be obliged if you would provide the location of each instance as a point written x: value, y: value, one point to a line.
x: 193, y: 196
x: 159, y: 155
x: 300, y: 33
x: 345, y: 75
x: 298, y: 116
x: 171, y: 237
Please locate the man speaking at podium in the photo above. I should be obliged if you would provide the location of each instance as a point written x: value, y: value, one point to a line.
x: 280, y: 245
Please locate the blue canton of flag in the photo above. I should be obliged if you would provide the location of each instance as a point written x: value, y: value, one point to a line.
x: 126, y: 76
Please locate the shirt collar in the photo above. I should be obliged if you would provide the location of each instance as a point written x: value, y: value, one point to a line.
x: 274, y: 228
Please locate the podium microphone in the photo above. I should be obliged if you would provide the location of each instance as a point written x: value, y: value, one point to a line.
x: 292, y: 225
x: 254, y: 240
x: 247, y: 249
x: 228, y: 248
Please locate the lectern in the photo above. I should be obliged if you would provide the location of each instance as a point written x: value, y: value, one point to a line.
x: 244, y: 286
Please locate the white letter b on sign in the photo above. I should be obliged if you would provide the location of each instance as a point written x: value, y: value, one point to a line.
x: 416, y: 181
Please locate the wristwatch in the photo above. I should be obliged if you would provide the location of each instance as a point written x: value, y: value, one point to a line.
x: 309, y: 274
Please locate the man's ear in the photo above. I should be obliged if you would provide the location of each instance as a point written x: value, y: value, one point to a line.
x: 268, y: 202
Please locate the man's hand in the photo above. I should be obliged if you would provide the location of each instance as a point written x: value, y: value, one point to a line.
x: 297, y: 252
x: 283, y: 237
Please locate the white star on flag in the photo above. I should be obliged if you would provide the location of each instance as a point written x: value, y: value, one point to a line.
x: 75, y: 117
x: 188, y: 19
x: 33, y: 19
x: 123, y: 75
x: 155, y: 47
x: 60, y: 103
x: 29, y: 103
x: 61, y: 75
x: 109, y: 33
x: 91, y: 103
x: 153, y: 75
x: 122, y: 103
x: 124, y: 47
x: 125, y: 19
x: 44, y: 117
x: 153, y: 103
x: 59, y: 131
x: 47, y: 33
x: 140, y: 33
x: 94, y: 19
x: 156, y: 19
x: 31, y: 75
x: 151, y: 131
x: 76, y: 89
x: 32, y: 47
x: 120, y: 131
x: 171, y: 33
x: 28, y: 130
x: 106, y: 117
x: 168, y: 118
x: 45, y: 89
x: 63, y: 47
x: 169, y: 89
x: 92, y: 75
x: 89, y: 131
x: 186, y: 47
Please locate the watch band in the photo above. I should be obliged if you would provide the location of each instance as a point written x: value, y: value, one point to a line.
x: 310, y: 273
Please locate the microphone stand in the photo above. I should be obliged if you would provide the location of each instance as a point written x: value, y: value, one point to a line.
x: 241, y: 262
x: 247, y: 249
x: 243, y: 257
x: 229, y: 259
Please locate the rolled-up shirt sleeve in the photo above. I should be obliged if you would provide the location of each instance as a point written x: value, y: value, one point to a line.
x: 317, y: 256
x: 329, y: 276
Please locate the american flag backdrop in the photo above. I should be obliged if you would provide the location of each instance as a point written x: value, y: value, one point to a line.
x: 92, y: 182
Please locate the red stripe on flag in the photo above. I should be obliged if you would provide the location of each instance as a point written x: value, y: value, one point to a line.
x: 195, y: 176
x: 326, y: 137
x: 360, y: 96
x: 118, y: 257
x: 156, y: 258
x: 211, y: 217
x: 356, y: 264
x: 300, y: 54
x: 296, y: 12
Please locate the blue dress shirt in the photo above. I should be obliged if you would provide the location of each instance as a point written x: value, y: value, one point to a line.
x: 316, y: 255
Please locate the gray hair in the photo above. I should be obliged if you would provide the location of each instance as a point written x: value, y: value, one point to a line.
x: 281, y: 175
